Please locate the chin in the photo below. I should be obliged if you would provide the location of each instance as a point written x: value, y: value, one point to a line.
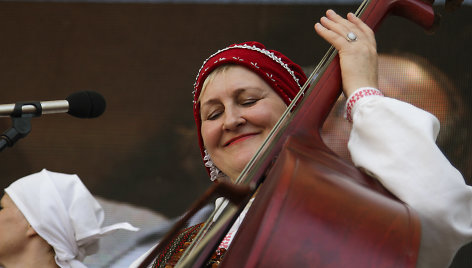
x: 241, y: 160
x: 238, y: 159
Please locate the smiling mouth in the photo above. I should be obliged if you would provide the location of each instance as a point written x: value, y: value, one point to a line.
x: 238, y: 139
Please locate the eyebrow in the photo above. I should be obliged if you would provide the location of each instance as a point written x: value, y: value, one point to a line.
x: 236, y: 93
x: 209, y: 102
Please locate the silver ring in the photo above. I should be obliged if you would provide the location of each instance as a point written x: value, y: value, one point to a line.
x: 351, y: 37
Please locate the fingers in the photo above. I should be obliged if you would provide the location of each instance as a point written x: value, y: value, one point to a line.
x: 328, y: 35
x: 356, y: 46
x: 331, y: 28
x: 334, y: 29
x: 366, y: 30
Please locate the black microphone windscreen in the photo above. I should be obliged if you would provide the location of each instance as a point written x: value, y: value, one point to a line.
x: 86, y: 104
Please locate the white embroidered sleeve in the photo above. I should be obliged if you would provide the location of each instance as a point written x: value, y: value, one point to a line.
x: 395, y: 141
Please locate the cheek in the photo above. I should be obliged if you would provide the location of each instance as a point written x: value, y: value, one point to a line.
x: 210, y: 134
x: 263, y: 118
x: 267, y: 115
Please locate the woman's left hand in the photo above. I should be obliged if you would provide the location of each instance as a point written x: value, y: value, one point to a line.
x: 358, y: 57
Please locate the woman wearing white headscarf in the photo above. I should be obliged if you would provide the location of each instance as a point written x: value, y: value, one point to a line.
x: 50, y: 219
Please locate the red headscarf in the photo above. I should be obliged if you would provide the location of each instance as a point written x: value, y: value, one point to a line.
x: 283, y: 75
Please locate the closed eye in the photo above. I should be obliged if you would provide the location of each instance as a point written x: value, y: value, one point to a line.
x: 249, y: 102
x: 214, y: 115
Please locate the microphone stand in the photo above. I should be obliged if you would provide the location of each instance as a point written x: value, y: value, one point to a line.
x: 21, y: 124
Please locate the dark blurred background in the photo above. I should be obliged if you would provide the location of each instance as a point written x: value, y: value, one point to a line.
x: 143, y: 58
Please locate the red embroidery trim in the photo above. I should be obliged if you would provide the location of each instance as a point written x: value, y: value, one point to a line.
x: 226, y: 241
x: 359, y: 94
x: 170, y: 255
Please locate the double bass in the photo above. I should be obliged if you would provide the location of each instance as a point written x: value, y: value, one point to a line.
x: 312, y: 209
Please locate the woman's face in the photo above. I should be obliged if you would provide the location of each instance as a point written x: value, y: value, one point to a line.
x: 13, y: 228
x: 238, y: 110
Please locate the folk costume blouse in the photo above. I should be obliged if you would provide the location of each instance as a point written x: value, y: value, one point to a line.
x: 395, y: 142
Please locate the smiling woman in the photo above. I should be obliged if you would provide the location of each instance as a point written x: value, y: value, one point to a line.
x: 272, y: 78
x: 238, y: 111
x: 242, y: 90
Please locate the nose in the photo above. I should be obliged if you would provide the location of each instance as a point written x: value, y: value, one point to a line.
x: 233, y: 119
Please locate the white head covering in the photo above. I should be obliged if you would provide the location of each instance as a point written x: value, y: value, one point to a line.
x: 64, y: 213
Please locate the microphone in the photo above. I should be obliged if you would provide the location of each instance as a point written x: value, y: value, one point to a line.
x: 82, y: 104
